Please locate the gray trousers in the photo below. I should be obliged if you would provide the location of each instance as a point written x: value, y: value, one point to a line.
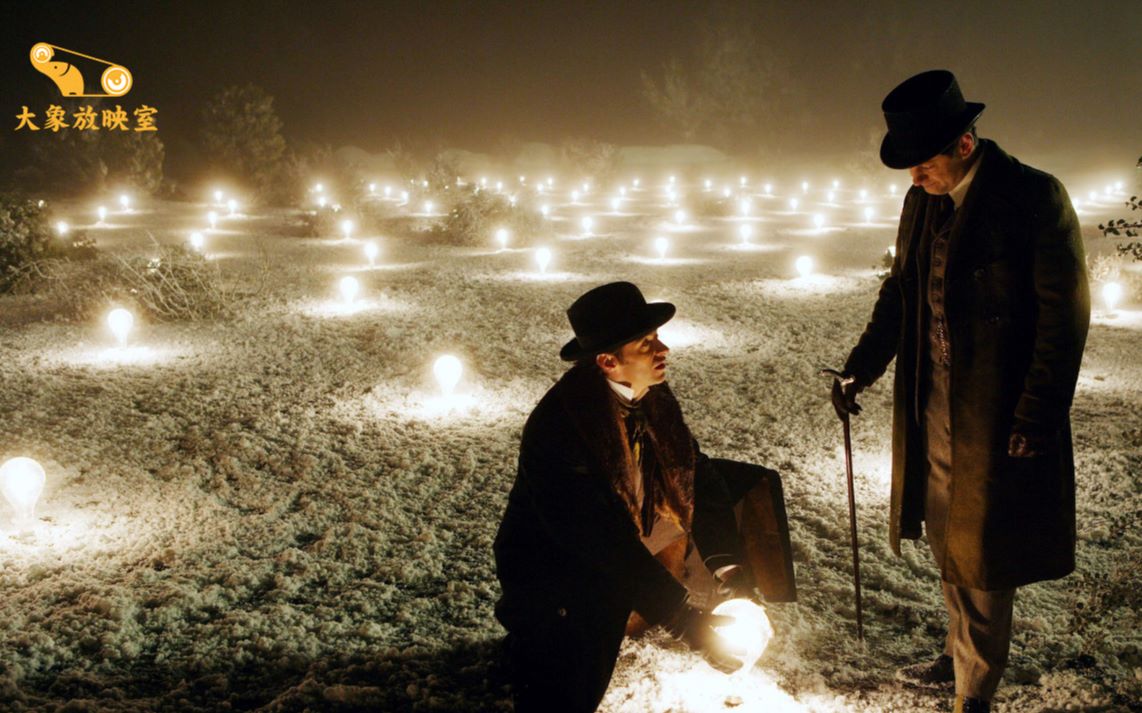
x: 979, y: 621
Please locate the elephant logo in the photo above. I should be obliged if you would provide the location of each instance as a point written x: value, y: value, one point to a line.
x: 62, y: 66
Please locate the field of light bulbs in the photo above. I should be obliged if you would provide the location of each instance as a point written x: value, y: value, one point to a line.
x: 293, y: 508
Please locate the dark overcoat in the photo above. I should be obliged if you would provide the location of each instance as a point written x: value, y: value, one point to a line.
x: 568, y: 541
x: 1017, y: 303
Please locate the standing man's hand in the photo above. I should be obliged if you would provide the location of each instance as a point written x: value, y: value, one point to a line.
x: 1027, y: 440
x: 846, y: 387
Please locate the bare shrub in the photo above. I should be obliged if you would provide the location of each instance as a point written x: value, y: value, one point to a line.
x: 475, y: 217
x: 26, y: 237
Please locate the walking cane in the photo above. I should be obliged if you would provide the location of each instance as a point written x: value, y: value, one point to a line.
x: 840, y: 381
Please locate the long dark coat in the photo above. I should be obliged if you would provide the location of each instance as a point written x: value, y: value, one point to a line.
x: 1017, y: 304
x: 569, y: 538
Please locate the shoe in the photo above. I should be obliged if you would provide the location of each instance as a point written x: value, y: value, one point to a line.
x: 940, y: 673
x: 972, y: 705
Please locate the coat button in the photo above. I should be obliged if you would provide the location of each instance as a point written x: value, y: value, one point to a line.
x: 561, y: 612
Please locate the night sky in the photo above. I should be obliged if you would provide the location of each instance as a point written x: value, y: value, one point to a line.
x: 1060, y: 78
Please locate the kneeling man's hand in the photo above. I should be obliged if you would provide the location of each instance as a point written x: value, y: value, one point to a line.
x: 695, y: 626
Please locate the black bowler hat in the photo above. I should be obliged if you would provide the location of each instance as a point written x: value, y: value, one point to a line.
x: 925, y: 114
x: 608, y: 317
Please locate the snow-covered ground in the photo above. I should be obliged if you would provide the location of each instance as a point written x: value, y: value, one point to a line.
x: 280, y: 512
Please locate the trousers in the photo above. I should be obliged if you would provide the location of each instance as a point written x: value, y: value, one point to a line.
x: 979, y: 621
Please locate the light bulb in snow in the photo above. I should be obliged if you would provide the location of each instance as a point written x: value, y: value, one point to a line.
x: 62, y: 228
x: 745, y: 231
x: 680, y: 217
x: 125, y: 201
x: 742, y: 181
x: 346, y: 228
x: 102, y: 213
x: 574, y: 196
x: 744, y: 207
x: 372, y: 188
x: 428, y: 206
x: 319, y: 188
x: 769, y: 189
x: 672, y: 179
x: 197, y: 241
x: 636, y: 182
x: 726, y: 192
x: 804, y: 266
x: 212, y: 218
x: 120, y: 321
x: 349, y: 287
x: 388, y: 191
x: 502, y: 237
x: 615, y: 203
x: 232, y: 206
x: 818, y: 221
x: 1093, y: 195
x: 836, y: 183
x: 661, y: 245
x: 1111, y: 294
x: 321, y: 201
x: 748, y: 633
x: 499, y: 186
x: 892, y: 250
x: 1118, y: 185
x: 623, y: 191
x: 371, y: 251
x: 545, y: 210
x: 892, y: 189
x: 792, y: 204
x: 217, y: 196
x: 447, y: 371
x: 404, y: 196
x: 868, y: 214
x: 707, y: 184
x: 804, y: 186
x: 830, y: 196
x: 550, y: 181
x: 22, y: 482
x: 587, y: 224
x: 543, y: 258
x: 863, y: 195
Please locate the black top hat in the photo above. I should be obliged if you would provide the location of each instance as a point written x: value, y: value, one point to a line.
x: 925, y: 114
x: 608, y: 317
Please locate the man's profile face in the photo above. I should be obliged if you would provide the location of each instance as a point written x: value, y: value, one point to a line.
x: 641, y: 363
x: 941, y: 173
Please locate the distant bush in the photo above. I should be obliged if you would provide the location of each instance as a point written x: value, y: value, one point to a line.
x: 590, y: 158
x: 242, y: 137
x: 84, y: 162
x: 176, y: 284
x: 26, y: 236
x: 475, y: 217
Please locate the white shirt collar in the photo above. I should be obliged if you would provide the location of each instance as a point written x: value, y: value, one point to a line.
x: 622, y: 390
x: 961, y: 190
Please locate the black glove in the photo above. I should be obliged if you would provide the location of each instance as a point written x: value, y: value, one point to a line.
x: 696, y: 627
x: 1027, y: 440
x: 845, y: 390
x: 734, y: 582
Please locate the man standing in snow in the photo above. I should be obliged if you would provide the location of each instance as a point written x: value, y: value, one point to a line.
x: 609, y: 477
x: 986, y: 311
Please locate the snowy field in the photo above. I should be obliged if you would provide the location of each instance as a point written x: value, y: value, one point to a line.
x: 279, y: 512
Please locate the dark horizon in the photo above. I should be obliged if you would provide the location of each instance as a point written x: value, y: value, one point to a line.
x: 1058, y: 78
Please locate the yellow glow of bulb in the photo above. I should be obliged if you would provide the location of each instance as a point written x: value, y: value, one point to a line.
x: 102, y: 213
x: 349, y: 287
x: 428, y: 206
x: 830, y: 196
x: 587, y: 224
x: 793, y: 204
x: 120, y: 321
x: 745, y: 232
x: 744, y: 207
x: 197, y: 241
x: 212, y: 218
x: 543, y: 258
x: 804, y: 186
x: 680, y: 217
x: 502, y: 237
x: 769, y: 189
x: 217, y: 196
x: 232, y: 205
x: 319, y: 188
x: 750, y: 632
x: 868, y: 215
x: 371, y: 252
x: 661, y: 245
x: 574, y: 196
x: 62, y: 228
x: 818, y: 221
x: 804, y: 266
x: 347, y: 228
x: 545, y: 210
x: 125, y: 201
x: 22, y: 482
x: 1111, y: 294
x: 447, y: 371
x: 615, y: 203
x: 372, y: 188
x: 892, y: 250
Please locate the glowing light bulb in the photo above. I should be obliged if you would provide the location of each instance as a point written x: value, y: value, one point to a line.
x: 349, y: 287
x: 672, y: 179
x: 447, y: 369
x: 818, y: 221
x: 637, y: 182
x: 321, y: 201
x: 543, y: 258
x: 745, y: 231
x: 587, y: 224
x: 830, y: 196
x: 804, y: 266
x: 836, y: 183
x: 319, y: 188
x: 726, y: 192
x: 707, y: 184
x: 615, y: 203
x: 1111, y: 295
x: 22, y: 482
x: 661, y: 245
x: 863, y: 194
x: 346, y: 228
x: 102, y: 213
x: 574, y: 196
x: 793, y: 204
x: 892, y: 250
x: 1118, y: 186
x: 1093, y: 195
x: 545, y: 210
x: 197, y: 241
x: 372, y: 188
x: 804, y: 186
x: 744, y: 207
x: 125, y: 201
x: 680, y: 217
x: 750, y: 632
x: 550, y: 181
x: 623, y: 191
x: 388, y: 191
x: 120, y: 321
x: 742, y: 181
x: 217, y: 196
x: 892, y: 189
x: 868, y: 212
x: 212, y: 218
x: 371, y: 252
x: 404, y: 196
x: 502, y: 238
x: 62, y: 228
x: 232, y: 205
x: 769, y: 189
x: 499, y: 186
x: 428, y: 207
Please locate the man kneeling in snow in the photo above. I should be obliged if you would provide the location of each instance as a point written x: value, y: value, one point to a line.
x: 610, y: 487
